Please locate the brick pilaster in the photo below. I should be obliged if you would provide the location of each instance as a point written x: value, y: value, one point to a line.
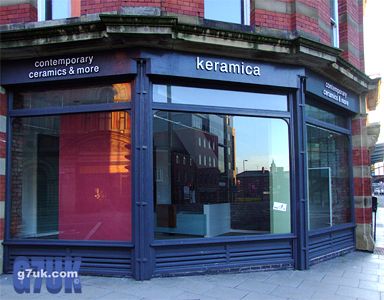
x: 351, y: 31
x: 362, y: 184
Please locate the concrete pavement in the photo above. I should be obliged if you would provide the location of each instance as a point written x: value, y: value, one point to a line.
x: 357, y: 275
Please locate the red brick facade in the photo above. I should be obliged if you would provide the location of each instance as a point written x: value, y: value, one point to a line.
x: 351, y: 33
x: 19, y: 13
x: 184, y: 7
x: 308, y: 18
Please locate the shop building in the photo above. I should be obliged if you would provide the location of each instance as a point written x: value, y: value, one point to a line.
x: 154, y: 138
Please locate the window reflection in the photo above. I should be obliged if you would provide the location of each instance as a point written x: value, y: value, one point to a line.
x: 329, y: 192
x: 236, y: 181
x: 71, y: 177
x: 215, y: 97
x: 325, y: 114
x: 71, y: 96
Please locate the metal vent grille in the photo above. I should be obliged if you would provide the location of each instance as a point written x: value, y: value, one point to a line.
x: 327, y: 243
x: 223, y: 256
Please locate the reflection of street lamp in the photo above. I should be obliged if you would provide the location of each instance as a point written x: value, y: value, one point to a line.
x: 244, y: 160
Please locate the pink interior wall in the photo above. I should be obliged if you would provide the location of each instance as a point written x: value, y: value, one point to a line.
x: 94, y: 177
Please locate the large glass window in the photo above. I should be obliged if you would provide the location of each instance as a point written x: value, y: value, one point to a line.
x: 221, y: 98
x: 71, y: 177
x: 329, y: 195
x: 326, y: 114
x: 72, y: 96
x: 220, y: 175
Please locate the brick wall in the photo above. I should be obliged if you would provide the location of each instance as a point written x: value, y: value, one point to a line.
x: 308, y: 18
x: 362, y: 184
x: 184, y: 7
x: 351, y: 31
x: 3, y: 111
x: 18, y: 13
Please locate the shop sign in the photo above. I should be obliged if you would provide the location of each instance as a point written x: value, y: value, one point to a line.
x: 335, y: 93
x: 67, y: 67
x: 64, y: 67
x: 331, y: 92
x: 225, y: 67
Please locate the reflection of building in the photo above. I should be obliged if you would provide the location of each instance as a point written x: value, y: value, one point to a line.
x: 201, y: 152
x: 253, y: 184
x: 251, y: 207
x: 377, y: 161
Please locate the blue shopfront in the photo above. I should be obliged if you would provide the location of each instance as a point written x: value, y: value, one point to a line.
x: 154, y: 163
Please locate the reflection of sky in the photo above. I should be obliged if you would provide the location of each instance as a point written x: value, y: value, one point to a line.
x: 60, y: 9
x: 223, y: 10
x: 259, y: 141
x: 223, y: 98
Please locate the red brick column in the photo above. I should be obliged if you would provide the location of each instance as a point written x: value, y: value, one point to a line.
x: 362, y: 184
x: 307, y: 18
x: 3, y: 112
x: 18, y: 13
x: 351, y: 31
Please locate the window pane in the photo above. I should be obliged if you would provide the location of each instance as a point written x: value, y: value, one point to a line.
x: 71, y: 177
x: 98, y: 94
x: 215, y: 97
x: 239, y: 185
x: 329, y: 192
x: 61, y: 9
x: 326, y: 115
x: 219, y: 10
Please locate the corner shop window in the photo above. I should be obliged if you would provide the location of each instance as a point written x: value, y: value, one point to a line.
x: 72, y: 96
x: 326, y: 114
x: 71, y: 177
x: 329, y: 194
x: 215, y: 97
x: 240, y: 185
